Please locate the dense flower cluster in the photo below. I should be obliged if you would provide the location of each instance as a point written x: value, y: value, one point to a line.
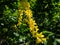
x: 32, y: 25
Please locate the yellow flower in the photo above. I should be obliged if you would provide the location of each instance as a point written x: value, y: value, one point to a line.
x: 36, y: 28
x: 43, y: 39
x: 39, y: 35
x: 38, y: 40
x: 28, y: 13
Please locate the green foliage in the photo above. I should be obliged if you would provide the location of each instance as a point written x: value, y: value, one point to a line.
x: 45, y: 12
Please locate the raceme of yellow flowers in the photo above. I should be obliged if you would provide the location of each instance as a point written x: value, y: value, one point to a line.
x: 32, y: 25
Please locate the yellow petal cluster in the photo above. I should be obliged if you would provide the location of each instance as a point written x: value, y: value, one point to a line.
x: 40, y: 38
x: 32, y: 25
x: 20, y: 17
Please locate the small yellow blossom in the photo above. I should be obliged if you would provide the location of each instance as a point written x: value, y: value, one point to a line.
x: 39, y: 35
x: 38, y: 40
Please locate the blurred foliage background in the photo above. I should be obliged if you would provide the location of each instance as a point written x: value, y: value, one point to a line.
x: 46, y: 13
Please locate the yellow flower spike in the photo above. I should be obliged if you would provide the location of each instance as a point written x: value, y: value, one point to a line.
x: 32, y: 25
